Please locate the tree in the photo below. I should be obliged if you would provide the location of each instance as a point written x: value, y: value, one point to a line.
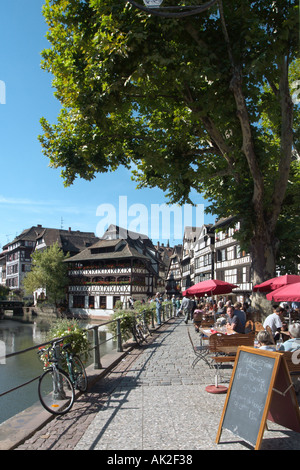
x: 201, y: 102
x: 4, y: 291
x: 48, y: 272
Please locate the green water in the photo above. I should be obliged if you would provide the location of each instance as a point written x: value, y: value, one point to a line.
x: 16, y: 336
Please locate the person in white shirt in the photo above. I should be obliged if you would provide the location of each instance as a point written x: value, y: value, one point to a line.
x: 274, y: 322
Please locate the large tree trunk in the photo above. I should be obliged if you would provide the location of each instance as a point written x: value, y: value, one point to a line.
x: 263, y: 251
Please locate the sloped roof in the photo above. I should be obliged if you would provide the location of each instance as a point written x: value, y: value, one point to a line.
x: 118, y: 251
x: 29, y: 234
x: 69, y: 241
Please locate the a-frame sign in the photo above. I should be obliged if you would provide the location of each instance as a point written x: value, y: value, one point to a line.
x: 260, y: 388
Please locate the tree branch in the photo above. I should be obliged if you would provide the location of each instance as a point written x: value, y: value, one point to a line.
x: 242, y: 113
x: 164, y: 14
x: 286, y: 143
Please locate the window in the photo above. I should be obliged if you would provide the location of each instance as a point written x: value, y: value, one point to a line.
x: 103, y: 302
x: 231, y: 276
x: 230, y: 252
x: 221, y: 255
x: 91, y: 301
x: 246, y: 274
x: 78, y: 301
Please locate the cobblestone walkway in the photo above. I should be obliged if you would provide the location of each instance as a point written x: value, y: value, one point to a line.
x: 153, y: 400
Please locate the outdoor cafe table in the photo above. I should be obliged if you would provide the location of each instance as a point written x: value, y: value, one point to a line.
x: 212, y: 331
x: 206, y: 333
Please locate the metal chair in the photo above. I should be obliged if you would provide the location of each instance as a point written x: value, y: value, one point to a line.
x: 200, y: 352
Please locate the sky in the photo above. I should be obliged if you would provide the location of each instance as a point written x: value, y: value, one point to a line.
x: 31, y: 192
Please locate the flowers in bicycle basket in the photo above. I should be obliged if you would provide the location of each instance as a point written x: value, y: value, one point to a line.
x: 45, y: 356
x: 75, y: 336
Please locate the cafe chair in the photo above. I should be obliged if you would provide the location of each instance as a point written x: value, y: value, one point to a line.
x: 258, y: 326
x: 207, y: 323
x: 200, y: 352
x: 249, y: 326
x: 268, y: 329
x: 294, y: 368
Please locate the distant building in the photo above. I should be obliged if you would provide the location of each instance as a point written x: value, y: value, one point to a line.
x: 174, y: 276
x: 204, y: 252
x: 113, y: 269
x: 231, y: 263
x: 18, y: 252
x: 3, y: 268
x: 70, y: 241
x: 190, y: 237
x: 164, y: 252
x: 18, y: 256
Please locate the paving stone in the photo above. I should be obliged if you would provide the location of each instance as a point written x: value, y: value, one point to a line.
x: 153, y: 400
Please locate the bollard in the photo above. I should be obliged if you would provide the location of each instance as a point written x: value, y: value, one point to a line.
x: 152, y: 319
x: 119, y: 336
x: 97, y: 362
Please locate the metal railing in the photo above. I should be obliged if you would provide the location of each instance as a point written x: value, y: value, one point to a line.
x: 95, y: 348
x: 166, y: 314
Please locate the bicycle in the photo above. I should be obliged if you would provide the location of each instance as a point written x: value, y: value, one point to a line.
x: 56, y: 388
x: 140, y: 329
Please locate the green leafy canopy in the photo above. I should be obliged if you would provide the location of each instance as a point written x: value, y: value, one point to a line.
x: 202, y: 102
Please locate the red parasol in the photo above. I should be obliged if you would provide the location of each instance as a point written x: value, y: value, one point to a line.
x: 288, y: 293
x: 276, y: 283
x: 210, y: 287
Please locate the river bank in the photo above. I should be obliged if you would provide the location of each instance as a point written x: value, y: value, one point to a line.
x: 17, y: 336
x: 23, y: 425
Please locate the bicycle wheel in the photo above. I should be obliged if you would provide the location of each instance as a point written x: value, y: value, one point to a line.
x: 146, y: 329
x: 141, y: 333
x: 79, y: 374
x: 138, y: 337
x: 56, y: 391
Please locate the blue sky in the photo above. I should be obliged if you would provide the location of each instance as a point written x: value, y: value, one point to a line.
x: 31, y: 193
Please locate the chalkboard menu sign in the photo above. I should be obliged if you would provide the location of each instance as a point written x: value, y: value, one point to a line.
x: 257, y: 375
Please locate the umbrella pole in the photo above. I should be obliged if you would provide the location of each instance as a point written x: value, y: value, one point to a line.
x: 215, y: 317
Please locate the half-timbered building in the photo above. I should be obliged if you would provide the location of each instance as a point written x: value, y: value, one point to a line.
x: 232, y: 264
x: 111, y: 270
x: 174, y: 276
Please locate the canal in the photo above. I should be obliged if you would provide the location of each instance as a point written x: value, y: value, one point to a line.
x: 16, y: 370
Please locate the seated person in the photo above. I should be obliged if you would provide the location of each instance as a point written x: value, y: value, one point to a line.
x: 233, y: 321
x: 294, y: 342
x: 198, y: 314
x: 274, y: 322
x: 265, y: 341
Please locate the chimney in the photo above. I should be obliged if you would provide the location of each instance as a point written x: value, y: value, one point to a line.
x: 69, y: 229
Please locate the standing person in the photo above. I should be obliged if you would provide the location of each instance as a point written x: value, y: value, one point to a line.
x: 158, y: 301
x: 186, y: 307
x: 178, y: 307
x: 174, y: 305
x: 193, y: 305
x: 274, y: 322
